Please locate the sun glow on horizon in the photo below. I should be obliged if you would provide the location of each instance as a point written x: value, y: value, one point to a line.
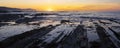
x: 50, y: 9
x: 64, y: 5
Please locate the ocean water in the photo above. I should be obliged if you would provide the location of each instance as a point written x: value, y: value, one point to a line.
x: 77, y: 16
x: 7, y: 31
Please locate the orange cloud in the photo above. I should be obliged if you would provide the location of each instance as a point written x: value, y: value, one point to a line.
x: 69, y: 7
x: 103, y: 7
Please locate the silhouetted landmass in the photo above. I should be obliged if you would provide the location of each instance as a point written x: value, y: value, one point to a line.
x: 6, y: 15
x: 8, y: 9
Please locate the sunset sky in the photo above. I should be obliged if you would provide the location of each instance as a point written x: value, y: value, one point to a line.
x: 64, y: 5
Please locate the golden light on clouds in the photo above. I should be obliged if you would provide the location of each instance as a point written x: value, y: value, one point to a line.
x: 64, y: 5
